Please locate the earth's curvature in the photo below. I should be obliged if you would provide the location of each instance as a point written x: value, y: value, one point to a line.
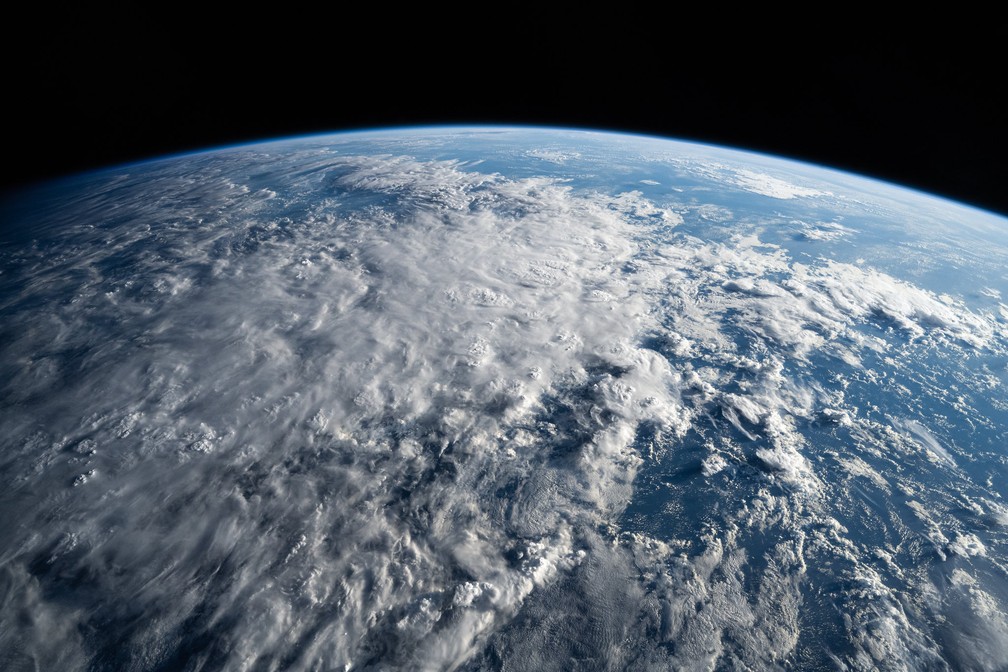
x: 500, y: 399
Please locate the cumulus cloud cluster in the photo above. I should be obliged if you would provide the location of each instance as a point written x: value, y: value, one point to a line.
x: 301, y: 410
x: 369, y: 433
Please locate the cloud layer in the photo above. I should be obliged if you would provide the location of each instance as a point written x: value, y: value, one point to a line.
x: 304, y: 409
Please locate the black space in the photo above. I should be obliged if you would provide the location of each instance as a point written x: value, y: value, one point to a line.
x: 921, y: 111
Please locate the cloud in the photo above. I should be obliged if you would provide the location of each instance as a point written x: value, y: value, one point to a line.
x: 553, y: 155
x: 774, y: 187
x: 926, y: 440
x: 302, y: 429
x: 392, y: 412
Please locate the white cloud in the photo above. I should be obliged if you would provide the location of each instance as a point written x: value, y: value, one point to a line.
x: 308, y: 382
x: 774, y: 187
x: 553, y: 155
x: 990, y: 292
x: 822, y: 231
x: 926, y: 440
x: 388, y: 404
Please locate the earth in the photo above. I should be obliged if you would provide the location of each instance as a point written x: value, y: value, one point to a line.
x: 500, y: 399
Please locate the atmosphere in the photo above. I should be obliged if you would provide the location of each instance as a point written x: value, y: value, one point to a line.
x: 489, y: 398
x: 468, y: 339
